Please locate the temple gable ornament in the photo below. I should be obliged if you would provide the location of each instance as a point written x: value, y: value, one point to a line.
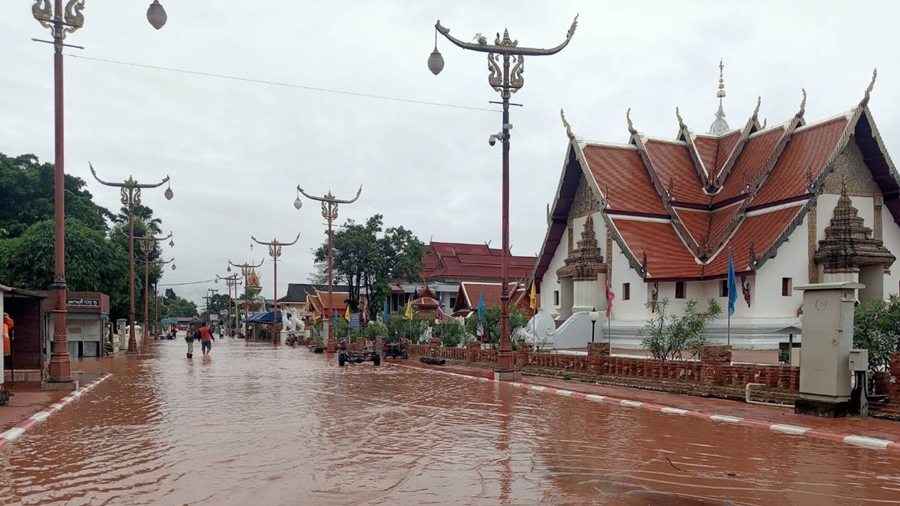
x: 586, y: 261
x: 848, y: 243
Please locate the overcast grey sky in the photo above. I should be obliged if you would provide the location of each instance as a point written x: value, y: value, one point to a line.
x: 236, y: 150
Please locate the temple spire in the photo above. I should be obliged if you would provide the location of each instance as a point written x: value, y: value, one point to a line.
x: 720, y: 126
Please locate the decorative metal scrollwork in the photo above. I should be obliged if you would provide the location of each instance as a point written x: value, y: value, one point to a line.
x: 74, y: 16
x: 495, y: 78
x: 516, y: 80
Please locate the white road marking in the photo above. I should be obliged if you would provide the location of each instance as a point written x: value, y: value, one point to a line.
x: 789, y: 429
x: 867, y: 442
x: 724, y: 418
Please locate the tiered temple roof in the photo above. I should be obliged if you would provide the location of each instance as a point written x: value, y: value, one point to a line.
x: 445, y: 261
x: 675, y: 207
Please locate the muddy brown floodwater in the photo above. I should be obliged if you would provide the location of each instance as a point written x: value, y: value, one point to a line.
x: 256, y: 424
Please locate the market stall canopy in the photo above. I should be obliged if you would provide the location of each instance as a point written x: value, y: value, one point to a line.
x: 267, y: 317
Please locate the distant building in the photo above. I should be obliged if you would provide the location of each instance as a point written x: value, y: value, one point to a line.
x: 445, y: 266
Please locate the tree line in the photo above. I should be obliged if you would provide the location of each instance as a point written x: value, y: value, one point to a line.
x: 96, y: 239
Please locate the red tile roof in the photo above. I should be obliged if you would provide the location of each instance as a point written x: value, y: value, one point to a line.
x: 469, y: 293
x: 621, y: 170
x: 686, y: 235
x: 460, y: 261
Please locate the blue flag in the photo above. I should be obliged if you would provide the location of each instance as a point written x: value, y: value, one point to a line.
x: 481, y: 306
x: 732, y: 285
x: 385, y: 315
x: 335, y: 317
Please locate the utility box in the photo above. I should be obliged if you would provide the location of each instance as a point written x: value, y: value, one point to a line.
x: 827, y: 340
x: 859, y: 360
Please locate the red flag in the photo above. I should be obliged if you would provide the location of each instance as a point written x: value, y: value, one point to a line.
x: 610, y: 295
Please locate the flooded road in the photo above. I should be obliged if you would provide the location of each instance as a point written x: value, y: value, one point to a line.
x: 254, y: 424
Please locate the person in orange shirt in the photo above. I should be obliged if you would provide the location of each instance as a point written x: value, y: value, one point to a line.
x: 207, y: 338
x: 8, y: 324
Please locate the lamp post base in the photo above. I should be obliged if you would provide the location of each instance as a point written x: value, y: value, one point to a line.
x: 507, y: 375
x: 133, y: 352
x: 59, y: 386
x: 330, y: 347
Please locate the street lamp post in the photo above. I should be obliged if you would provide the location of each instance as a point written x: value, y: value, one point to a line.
x: 61, y: 22
x: 275, y: 252
x: 159, y: 262
x: 231, y: 282
x: 505, y: 81
x: 147, y: 244
x: 594, y: 315
x: 330, y: 213
x: 246, y: 268
x: 131, y: 197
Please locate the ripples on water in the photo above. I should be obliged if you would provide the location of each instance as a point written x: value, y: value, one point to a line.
x: 255, y: 424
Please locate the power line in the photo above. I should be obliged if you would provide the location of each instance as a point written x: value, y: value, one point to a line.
x: 191, y: 283
x: 285, y: 85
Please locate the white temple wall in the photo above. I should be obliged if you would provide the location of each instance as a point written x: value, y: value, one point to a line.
x: 891, y: 237
x: 767, y: 300
x: 633, y: 309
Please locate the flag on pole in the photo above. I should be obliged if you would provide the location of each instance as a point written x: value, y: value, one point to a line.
x: 384, y: 315
x: 533, y: 296
x: 610, y: 296
x: 335, y: 317
x: 347, y: 313
x: 732, y: 285
x: 481, y: 306
x: 440, y: 311
x: 409, y: 311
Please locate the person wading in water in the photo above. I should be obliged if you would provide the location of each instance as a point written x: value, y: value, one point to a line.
x: 189, y: 338
x: 207, y: 337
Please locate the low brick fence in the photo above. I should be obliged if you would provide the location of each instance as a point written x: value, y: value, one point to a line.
x: 888, y: 383
x: 713, y: 374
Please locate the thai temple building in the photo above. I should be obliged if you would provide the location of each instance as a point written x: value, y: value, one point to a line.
x: 793, y: 203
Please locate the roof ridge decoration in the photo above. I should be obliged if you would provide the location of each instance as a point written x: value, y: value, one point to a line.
x: 665, y: 194
x: 720, y: 126
x: 865, y: 100
x: 569, y: 133
x: 685, y: 133
x: 736, y: 150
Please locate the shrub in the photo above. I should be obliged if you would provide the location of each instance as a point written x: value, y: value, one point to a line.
x: 451, y: 332
x: 876, y: 327
x: 667, y: 335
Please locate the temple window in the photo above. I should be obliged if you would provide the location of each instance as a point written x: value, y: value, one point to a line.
x: 723, y: 288
x: 679, y: 289
x: 786, y: 286
x: 626, y: 291
x: 452, y: 302
x: 555, y: 297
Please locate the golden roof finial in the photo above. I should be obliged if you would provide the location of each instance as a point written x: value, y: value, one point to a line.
x: 721, y: 93
x: 680, y: 121
x: 631, y: 128
x: 758, y: 103
x: 802, y: 110
x: 865, y: 101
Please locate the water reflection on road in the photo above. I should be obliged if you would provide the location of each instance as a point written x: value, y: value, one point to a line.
x: 256, y: 424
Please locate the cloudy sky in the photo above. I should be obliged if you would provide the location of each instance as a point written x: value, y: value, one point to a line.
x: 236, y: 150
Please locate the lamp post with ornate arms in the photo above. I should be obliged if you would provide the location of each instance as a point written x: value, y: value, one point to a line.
x: 147, y: 244
x: 330, y: 213
x: 275, y: 252
x: 231, y: 282
x: 246, y: 269
x: 505, y: 81
x: 130, y: 198
x: 159, y: 262
x: 61, y: 21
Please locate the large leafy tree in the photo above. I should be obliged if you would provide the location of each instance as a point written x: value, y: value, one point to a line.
x: 27, y: 186
x: 176, y: 306
x: 92, y: 262
x: 367, y: 258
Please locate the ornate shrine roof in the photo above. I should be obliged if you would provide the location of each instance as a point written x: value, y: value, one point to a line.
x: 675, y: 207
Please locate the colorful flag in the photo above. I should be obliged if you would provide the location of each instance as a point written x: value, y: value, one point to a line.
x: 335, y: 317
x: 409, y: 311
x: 732, y: 285
x: 440, y: 311
x: 533, y: 295
x: 384, y: 315
x: 610, y: 296
x: 347, y: 313
x: 481, y: 306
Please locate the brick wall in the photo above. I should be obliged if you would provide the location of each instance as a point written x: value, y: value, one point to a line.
x: 713, y: 374
x: 888, y: 383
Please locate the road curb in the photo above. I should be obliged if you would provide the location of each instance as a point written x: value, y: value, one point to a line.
x: 42, y: 416
x: 850, y: 439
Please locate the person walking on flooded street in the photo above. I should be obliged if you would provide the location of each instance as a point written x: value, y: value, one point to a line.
x: 189, y: 339
x: 207, y: 337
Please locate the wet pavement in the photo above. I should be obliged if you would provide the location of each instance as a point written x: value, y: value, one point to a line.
x: 258, y: 424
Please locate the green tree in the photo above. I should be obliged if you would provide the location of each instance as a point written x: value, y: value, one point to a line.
x: 27, y: 186
x: 92, y: 262
x: 175, y: 307
x: 368, y: 258
x: 667, y: 335
x: 451, y: 332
